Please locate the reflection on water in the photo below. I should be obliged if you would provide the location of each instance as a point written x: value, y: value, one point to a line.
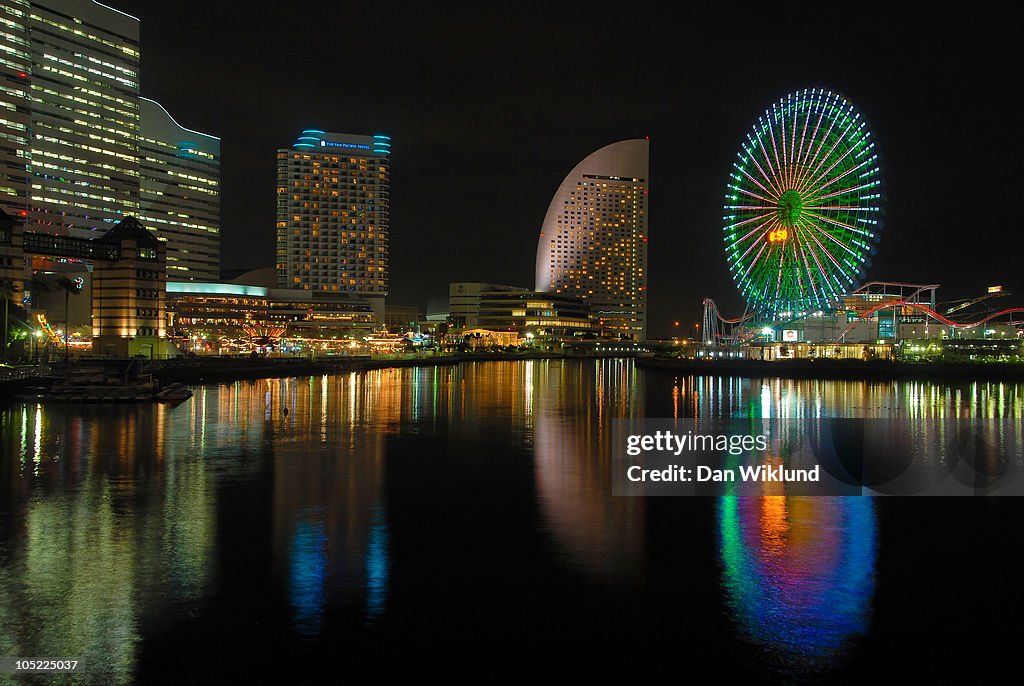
x: 601, y: 536
x: 316, y: 510
x: 798, y: 574
x: 94, y: 529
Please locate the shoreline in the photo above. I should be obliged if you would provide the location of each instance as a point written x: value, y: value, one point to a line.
x: 219, y: 369
x: 199, y: 371
x: 878, y: 370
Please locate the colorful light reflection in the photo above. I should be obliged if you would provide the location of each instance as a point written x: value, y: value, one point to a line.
x: 799, y: 574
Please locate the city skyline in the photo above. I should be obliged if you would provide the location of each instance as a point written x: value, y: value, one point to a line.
x: 492, y: 100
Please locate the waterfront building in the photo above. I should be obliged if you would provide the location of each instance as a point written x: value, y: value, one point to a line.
x: 536, y: 313
x: 180, y: 193
x: 128, y: 293
x: 333, y: 215
x: 226, y: 314
x: 593, y: 242
x: 497, y: 307
x: 464, y: 301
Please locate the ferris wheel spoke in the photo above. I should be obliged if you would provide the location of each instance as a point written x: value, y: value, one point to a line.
x: 814, y: 174
x: 842, y: 176
x: 828, y: 196
x: 751, y: 194
x: 750, y: 219
x: 839, y: 224
x: 773, y: 177
x: 778, y: 282
x: 835, y: 144
x: 775, y: 150
x: 784, y: 163
x: 821, y: 143
x: 760, y: 239
x: 757, y: 257
x: 811, y: 234
x: 792, y: 141
x: 818, y: 253
x: 838, y: 243
x: 757, y: 228
x: 768, y: 178
x: 803, y: 137
x: 810, y: 273
x: 774, y: 196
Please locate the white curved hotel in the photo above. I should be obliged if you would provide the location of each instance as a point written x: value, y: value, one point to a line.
x: 593, y: 244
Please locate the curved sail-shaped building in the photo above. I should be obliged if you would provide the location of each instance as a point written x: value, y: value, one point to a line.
x: 593, y: 244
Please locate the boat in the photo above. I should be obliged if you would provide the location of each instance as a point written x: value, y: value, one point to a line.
x: 105, y: 383
x: 176, y: 392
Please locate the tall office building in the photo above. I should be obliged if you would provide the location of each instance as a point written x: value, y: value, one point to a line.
x: 180, y: 193
x: 332, y: 215
x: 83, y: 84
x: 593, y: 243
x: 72, y: 128
x: 15, y: 107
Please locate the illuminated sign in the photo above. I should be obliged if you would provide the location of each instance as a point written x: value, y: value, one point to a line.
x: 995, y: 289
x: 778, y: 235
x: 332, y: 144
x: 790, y: 335
x: 202, y: 288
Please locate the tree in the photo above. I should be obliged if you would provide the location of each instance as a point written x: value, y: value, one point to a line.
x: 8, y: 289
x: 70, y: 287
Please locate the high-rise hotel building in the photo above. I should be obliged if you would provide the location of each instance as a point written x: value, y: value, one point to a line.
x: 77, y: 142
x: 332, y: 215
x: 593, y: 243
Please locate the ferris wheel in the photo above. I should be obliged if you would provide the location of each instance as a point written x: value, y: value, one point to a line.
x: 803, y: 204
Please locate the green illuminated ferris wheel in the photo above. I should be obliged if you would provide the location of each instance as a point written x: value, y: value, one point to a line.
x: 802, y: 205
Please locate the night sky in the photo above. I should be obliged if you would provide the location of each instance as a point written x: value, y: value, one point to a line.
x: 490, y: 105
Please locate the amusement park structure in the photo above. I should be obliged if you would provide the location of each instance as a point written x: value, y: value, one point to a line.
x: 801, y: 220
x: 877, y: 311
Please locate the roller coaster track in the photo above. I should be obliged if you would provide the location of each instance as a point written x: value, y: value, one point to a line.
x: 713, y: 321
x: 930, y: 313
x: 50, y: 333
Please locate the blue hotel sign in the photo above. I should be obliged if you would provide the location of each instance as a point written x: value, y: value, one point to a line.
x: 332, y: 144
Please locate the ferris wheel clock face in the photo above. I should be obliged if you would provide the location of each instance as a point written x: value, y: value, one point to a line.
x: 802, y: 205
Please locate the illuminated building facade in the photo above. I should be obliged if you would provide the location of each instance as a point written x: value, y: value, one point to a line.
x: 233, y: 311
x: 464, y: 301
x: 80, y: 150
x: 496, y: 307
x: 83, y: 84
x: 128, y: 294
x: 180, y: 193
x: 15, y: 108
x: 534, y: 312
x: 593, y: 243
x: 332, y: 215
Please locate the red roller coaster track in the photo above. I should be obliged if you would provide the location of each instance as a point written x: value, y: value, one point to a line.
x: 933, y: 314
x: 711, y: 307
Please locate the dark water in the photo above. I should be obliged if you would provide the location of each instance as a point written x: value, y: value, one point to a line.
x: 445, y: 520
